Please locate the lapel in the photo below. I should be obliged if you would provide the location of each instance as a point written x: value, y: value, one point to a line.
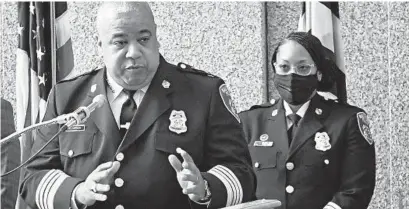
x: 103, y: 116
x: 153, y: 105
x: 309, y: 124
x: 278, y: 127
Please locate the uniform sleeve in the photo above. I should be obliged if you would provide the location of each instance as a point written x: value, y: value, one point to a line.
x: 45, y: 184
x: 230, y: 176
x: 358, y: 171
x: 244, y: 118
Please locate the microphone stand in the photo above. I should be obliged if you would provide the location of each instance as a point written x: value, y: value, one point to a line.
x: 63, y: 119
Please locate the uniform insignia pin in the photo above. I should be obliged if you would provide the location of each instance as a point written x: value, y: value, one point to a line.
x: 264, y: 137
x: 165, y: 84
x: 178, y: 122
x: 263, y: 144
x: 318, y: 111
x: 322, y: 141
x: 274, y: 113
x: 93, y: 88
x: 272, y: 101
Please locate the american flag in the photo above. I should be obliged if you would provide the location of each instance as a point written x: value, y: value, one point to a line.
x: 322, y: 20
x: 44, y: 39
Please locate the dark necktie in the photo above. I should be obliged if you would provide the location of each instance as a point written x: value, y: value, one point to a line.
x: 291, y: 132
x: 127, y: 112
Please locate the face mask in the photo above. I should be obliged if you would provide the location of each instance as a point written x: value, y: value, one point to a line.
x: 295, y: 89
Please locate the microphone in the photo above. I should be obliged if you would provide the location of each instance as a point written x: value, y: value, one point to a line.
x: 81, y: 114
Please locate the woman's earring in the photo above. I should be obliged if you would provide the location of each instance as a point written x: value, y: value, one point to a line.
x: 319, y: 75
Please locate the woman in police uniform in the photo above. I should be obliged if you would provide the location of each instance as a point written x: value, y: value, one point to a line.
x: 308, y: 150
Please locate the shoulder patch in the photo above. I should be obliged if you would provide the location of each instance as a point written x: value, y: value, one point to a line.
x: 265, y: 105
x: 80, y: 75
x: 228, y: 101
x: 363, y: 124
x: 187, y: 68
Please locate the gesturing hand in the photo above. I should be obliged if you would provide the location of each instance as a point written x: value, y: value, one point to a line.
x: 96, y: 184
x: 188, y: 175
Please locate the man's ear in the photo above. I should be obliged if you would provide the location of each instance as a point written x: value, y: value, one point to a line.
x: 99, y: 44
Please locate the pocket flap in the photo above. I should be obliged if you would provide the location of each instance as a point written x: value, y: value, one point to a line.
x: 263, y: 157
x: 73, y: 144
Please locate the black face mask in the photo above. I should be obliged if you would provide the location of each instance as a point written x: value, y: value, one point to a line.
x: 295, y: 89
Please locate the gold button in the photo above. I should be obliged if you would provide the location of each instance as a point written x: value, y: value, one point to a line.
x: 119, y: 182
x: 70, y: 153
x: 318, y: 111
x: 119, y: 207
x: 289, y: 166
x: 120, y: 156
x: 272, y: 101
x: 256, y: 164
x: 326, y: 161
x: 183, y: 66
x: 289, y: 189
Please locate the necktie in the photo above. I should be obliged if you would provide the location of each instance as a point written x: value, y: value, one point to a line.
x: 291, y: 132
x: 127, y: 112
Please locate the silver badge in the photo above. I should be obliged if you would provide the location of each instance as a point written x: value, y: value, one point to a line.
x: 322, y: 141
x: 165, y: 84
x: 178, y: 122
x: 318, y: 111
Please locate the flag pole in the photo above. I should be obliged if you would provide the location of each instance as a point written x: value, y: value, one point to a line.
x: 53, y: 44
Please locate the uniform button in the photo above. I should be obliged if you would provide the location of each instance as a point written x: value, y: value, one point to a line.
x: 70, y: 153
x: 256, y: 164
x: 274, y: 113
x: 326, y: 161
x: 119, y: 207
x: 183, y: 66
x: 119, y: 182
x: 272, y: 101
x: 289, y: 166
x: 120, y: 156
x: 289, y: 189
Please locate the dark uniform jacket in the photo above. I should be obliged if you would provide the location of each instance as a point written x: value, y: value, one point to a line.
x: 214, y: 138
x: 330, y: 163
x: 10, y: 157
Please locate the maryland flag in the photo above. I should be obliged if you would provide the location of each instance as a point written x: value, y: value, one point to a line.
x: 321, y: 19
x: 44, y: 56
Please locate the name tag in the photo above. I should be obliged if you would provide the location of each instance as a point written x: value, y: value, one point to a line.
x: 76, y: 128
x: 263, y: 144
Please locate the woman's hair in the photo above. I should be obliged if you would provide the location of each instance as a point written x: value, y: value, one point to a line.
x: 318, y: 53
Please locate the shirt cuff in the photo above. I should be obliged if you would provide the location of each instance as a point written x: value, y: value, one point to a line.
x: 73, y: 202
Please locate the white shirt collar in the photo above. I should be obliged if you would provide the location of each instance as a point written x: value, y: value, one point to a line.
x: 117, y: 89
x: 301, y: 112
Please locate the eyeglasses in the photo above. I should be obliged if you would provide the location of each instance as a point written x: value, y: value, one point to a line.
x: 302, y: 69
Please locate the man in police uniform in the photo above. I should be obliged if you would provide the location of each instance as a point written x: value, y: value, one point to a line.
x: 309, y: 151
x: 165, y: 139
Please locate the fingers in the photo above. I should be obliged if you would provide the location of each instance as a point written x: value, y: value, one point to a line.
x: 189, y: 177
x: 175, y: 163
x: 104, y: 172
x: 103, y: 166
x: 186, y: 157
x: 98, y: 197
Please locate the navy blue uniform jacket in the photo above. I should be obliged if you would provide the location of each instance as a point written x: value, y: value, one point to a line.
x: 214, y: 138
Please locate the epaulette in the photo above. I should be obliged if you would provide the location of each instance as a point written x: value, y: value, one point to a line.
x: 187, y: 68
x: 327, y: 96
x: 264, y: 105
x: 69, y: 78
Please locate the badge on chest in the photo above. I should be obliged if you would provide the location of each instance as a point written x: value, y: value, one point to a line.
x: 178, y: 121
